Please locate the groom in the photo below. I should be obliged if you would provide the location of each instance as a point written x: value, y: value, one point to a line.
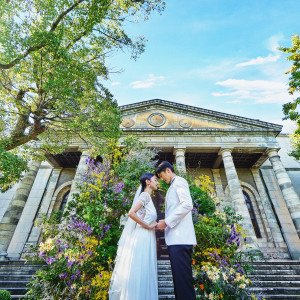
x: 179, y: 230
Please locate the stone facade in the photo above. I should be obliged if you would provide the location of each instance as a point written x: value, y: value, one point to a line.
x: 246, y: 159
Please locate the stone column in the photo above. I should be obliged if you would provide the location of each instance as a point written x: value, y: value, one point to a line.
x: 13, y: 213
x: 218, y: 185
x: 35, y: 232
x: 81, y: 168
x: 275, y: 234
x: 289, y: 194
x: 237, y: 197
x: 180, y: 160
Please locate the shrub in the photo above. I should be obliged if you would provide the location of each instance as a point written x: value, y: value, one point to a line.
x: 5, y: 295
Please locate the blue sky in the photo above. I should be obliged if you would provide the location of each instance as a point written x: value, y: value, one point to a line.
x: 215, y: 54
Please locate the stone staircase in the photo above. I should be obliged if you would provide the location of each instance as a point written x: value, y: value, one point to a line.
x: 165, y: 280
x: 273, y: 280
x: 14, y: 276
x: 276, y: 279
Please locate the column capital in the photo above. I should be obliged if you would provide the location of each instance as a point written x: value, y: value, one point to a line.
x: 179, y: 151
x: 272, y: 152
x: 223, y: 150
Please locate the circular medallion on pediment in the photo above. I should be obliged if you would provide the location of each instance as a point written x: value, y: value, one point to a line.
x: 157, y: 119
x: 185, y: 123
x: 128, y: 123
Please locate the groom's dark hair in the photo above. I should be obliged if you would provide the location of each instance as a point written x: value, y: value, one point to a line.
x: 162, y: 167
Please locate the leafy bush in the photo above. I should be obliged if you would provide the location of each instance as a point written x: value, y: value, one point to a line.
x: 5, y: 295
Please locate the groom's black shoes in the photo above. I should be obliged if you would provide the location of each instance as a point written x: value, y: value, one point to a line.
x: 180, y: 257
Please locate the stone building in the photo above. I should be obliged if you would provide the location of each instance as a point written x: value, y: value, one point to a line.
x: 247, y: 160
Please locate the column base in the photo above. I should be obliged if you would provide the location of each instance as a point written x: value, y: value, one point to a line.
x: 3, y: 256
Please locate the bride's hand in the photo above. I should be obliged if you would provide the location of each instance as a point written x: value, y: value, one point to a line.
x: 152, y: 225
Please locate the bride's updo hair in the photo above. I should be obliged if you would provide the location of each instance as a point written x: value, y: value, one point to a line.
x: 143, y: 179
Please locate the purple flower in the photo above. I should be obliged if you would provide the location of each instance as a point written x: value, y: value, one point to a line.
x: 230, y: 278
x: 58, y: 241
x: 83, y: 247
x: 82, y: 256
x: 78, y: 272
x: 245, y: 240
x: 73, y: 277
x: 41, y: 254
x: 107, y: 227
x: 49, y: 260
x: 89, y: 252
x: 100, y: 275
x: 211, y: 255
x: 66, y: 245
x: 70, y: 263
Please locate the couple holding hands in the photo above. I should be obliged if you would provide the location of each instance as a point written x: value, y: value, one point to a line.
x: 135, y: 273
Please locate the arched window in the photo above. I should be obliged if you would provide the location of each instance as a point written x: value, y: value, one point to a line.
x: 64, y: 201
x: 252, y: 215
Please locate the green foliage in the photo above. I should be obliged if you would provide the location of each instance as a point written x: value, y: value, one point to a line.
x: 291, y: 109
x: 11, y: 168
x: 5, y: 295
x: 53, y: 64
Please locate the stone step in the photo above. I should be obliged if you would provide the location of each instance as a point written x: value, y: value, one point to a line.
x: 5, y: 269
x: 281, y: 297
x: 165, y: 278
x: 15, y: 277
x: 276, y: 267
x: 166, y: 291
x: 17, y: 296
x: 275, y: 272
x: 276, y: 283
x: 164, y: 272
x: 275, y: 290
x: 275, y: 262
x: 274, y: 277
x: 164, y: 267
x: 18, y: 273
x: 11, y: 284
x: 165, y: 284
x: 166, y: 297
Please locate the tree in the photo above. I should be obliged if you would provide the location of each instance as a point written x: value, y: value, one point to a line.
x: 52, y: 64
x: 291, y: 109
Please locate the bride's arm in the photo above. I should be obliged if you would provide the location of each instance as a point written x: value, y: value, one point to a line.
x: 132, y: 214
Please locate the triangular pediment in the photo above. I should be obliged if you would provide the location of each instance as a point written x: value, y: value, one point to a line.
x: 159, y: 114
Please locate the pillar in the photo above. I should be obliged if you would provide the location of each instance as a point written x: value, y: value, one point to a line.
x: 81, y: 168
x: 218, y: 185
x: 13, y: 213
x: 289, y: 194
x: 180, y: 160
x: 237, y: 197
x: 35, y: 232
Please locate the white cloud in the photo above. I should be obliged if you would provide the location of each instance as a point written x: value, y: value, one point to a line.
x: 259, y: 60
x: 242, y: 84
x: 150, y: 82
x: 116, y: 83
x: 272, y: 43
x: 289, y: 126
x: 258, y: 91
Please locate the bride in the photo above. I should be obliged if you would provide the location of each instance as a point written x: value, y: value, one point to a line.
x: 135, y: 273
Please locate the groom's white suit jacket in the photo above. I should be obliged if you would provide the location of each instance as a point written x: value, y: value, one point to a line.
x: 178, y: 216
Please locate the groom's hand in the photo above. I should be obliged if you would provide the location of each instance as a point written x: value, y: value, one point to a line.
x: 161, y: 225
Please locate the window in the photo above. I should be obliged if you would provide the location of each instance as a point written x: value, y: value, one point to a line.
x: 64, y: 201
x: 252, y: 215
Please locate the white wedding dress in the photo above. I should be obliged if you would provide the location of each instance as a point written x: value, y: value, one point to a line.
x: 135, y: 273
